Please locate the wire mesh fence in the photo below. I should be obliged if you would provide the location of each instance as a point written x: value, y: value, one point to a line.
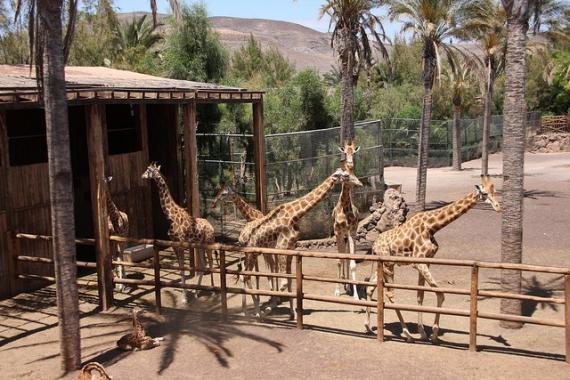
x: 297, y: 162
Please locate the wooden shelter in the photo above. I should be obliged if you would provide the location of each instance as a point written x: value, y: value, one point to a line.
x: 119, y: 122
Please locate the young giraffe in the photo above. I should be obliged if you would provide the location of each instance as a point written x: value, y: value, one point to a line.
x: 93, y: 371
x: 415, y: 238
x: 280, y: 228
x: 137, y: 340
x: 345, y: 215
x: 183, y: 226
x: 118, y: 222
x: 248, y: 211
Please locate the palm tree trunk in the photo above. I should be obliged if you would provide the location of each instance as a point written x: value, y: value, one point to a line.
x: 456, y: 137
x: 423, y: 144
x: 487, y: 122
x: 513, y: 155
x: 60, y: 184
x: 347, y: 90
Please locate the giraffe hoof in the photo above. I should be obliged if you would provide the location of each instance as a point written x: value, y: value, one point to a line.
x: 422, y: 332
x: 435, y: 334
x: 408, y: 336
x: 337, y: 293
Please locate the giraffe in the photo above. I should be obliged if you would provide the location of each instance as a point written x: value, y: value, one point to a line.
x: 415, y: 238
x: 93, y: 371
x: 118, y: 222
x: 137, y: 340
x: 248, y: 211
x: 345, y: 215
x: 280, y: 228
x: 183, y: 226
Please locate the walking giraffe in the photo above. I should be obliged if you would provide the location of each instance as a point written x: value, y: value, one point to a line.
x: 415, y: 238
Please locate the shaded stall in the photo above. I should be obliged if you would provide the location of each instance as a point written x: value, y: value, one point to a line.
x: 119, y: 122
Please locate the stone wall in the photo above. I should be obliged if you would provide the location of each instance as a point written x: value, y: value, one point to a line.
x: 550, y: 143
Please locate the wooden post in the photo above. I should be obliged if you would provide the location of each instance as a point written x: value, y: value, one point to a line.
x: 259, y: 154
x: 157, y: 287
x: 299, y: 287
x: 473, y: 308
x: 95, y: 141
x: 223, y: 286
x: 191, y: 157
x: 380, y: 301
x: 14, y: 265
x: 567, y: 314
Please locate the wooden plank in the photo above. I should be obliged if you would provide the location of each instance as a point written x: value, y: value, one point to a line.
x: 380, y: 301
x: 473, y: 309
x: 191, y: 155
x: 96, y: 115
x: 259, y: 157
x: 299, y: 289
x: 567, y: 316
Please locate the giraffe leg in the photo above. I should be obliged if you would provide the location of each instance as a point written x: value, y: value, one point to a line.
x: 424, y: 271
x: 341, y: 248
x: 369, y: 293
x: 211, y: 264
x: 180, y: 256
x: 352, y: 268
x: 292, y: 314
x: 389, y: 278
x: 421, y: 329
x: 117, y: 270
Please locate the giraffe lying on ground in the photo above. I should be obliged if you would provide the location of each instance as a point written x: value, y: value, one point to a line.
x: 280, y: 229
x: 118, y: 222
x: 415, y: 238
x: 183, y: 226
x: 138, y: 340
x: 93, y: 371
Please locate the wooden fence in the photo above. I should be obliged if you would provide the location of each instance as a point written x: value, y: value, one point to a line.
x: 554, y: 124
x: 299, y: 278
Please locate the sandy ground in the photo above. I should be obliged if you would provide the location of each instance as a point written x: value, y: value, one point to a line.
x: 334, y: 345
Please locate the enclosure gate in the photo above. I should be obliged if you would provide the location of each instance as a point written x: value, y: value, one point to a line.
x: 299, y: 278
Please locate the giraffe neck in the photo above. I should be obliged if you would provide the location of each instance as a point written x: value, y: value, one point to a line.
x: 112, y: 210
x: 169, y: 206
x: 442, y: 216
x: 307, y: 202
x: 345, y: 198
x: 248, y: 211
x: 138, y: 328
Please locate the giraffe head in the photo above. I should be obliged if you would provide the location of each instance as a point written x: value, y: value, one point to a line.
x: 486, y: 193
x: 344, y: 176
x: 224, y: 191
x: 153, y: 171
x: 349, y: 150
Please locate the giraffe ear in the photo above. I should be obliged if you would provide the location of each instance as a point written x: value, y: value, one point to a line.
x: 357, y: 149
x: 341, y: 149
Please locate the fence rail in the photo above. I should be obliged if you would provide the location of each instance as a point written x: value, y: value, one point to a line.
x: 554, y: 124
x: 300, y: 277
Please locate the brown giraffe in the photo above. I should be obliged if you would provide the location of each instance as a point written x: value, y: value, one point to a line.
x: 345, y: 215
x: 248, y: 211
x: 118, y: 222
x: 415, y: 238
x: 93, y: 371
x: 137, y: 340
x: 280, y: 228
x: 183, y: 226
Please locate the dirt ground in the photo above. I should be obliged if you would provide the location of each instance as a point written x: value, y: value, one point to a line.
x: 333, y: 345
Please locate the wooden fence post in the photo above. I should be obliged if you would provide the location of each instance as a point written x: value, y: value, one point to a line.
x: 157, y: 287
x: 299, y: 286
x: 223, y: 289
x: 380, y: 301
x: 14, y: 270
x: 473, y: 308
x: 567, y: 314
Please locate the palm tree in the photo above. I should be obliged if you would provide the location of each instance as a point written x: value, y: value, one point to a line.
x: 514, y: 124
x: 544, y: 12
x: 459, y: 80
x: 133, y: 40
x: 487, y: 25
x: 433, y: 22
x: 49, y: 49
x: 353, y: 23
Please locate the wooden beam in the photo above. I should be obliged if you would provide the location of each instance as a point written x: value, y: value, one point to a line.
x: 191, y: 155
x: 567, y: 316
x: 259, y: 157
x: 95, y: 146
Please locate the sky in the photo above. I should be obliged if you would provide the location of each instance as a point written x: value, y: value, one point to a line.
x: 304, y: 12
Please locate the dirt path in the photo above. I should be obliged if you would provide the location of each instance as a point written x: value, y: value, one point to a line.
x: 334, y: 344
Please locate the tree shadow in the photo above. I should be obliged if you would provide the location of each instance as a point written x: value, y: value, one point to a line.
x: 537, y: 194
x: 533, y: 287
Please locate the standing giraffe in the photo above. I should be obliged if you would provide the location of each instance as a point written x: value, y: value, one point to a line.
x: 248, y: 211
x: 118, y: 222
x: 345, y: 215
x: 280, y: 228
x: 415, y: 238
x: 183, y: 226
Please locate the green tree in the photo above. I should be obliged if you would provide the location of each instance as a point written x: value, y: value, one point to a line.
x: 353, y: 23
x: 514, y: 124
x: 544, y: 12
x: 433, y: 22
x: 133, y: 40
